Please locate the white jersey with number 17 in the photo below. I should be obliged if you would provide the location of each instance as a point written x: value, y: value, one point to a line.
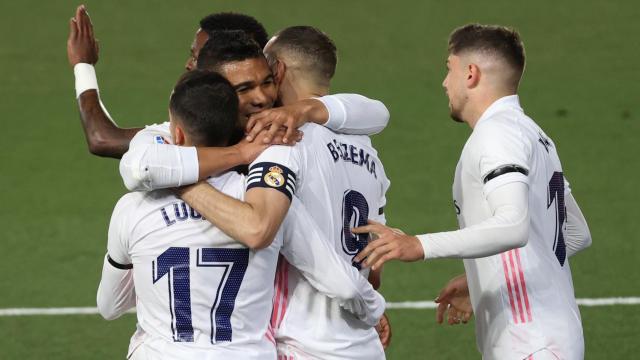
x: 203, y: 295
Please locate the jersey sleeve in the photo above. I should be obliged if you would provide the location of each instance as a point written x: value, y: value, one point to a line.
x: 151, y: 163
x: 278, y: 167
x: 308, y: 249
x: 355, y: 114
x: 116, y: 292
x: 501, y: 154
x: 506, y: 229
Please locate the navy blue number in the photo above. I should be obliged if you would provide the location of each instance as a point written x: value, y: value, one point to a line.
x: 177, y: 258
x: 235, y: 263
x: 174, y: 262
x: 556, y: 194
x: 355, y: 212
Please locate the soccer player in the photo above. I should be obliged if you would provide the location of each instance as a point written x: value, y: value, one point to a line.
x: 104, y: 137
x: 338, y: 177
x: 518, y: 219
x: 200, y: 294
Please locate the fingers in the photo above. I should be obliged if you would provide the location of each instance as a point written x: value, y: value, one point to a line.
x: 271, y: 133
x: 73, y: 29
x: 367, y: 250
x: 445, y: 293
x: 289, y: 134
x: 440, y: 310
x: 255, y: 125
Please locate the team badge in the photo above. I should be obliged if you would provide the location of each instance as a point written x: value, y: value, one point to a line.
x: 274, y: 177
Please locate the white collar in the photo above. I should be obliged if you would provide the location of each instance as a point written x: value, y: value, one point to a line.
x: 509, y: 101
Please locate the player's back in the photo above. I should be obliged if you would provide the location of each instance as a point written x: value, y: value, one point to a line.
x: 200, y: 293
x: 342, y: 183
x: 533, y: 297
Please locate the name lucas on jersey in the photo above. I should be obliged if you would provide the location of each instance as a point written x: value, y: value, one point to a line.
x: 179, y: 212
x: 352, y: 154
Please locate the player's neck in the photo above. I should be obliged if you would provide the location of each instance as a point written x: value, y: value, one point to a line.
x: 481, y: 103
x: 299, y: 90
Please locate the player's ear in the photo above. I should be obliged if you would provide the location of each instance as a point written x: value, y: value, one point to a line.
x: 473, y: 75
x: 179, y: 138
x: 278, y: 71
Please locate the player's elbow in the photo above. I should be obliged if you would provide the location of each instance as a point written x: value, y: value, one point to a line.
x: 133, y: 176
x: 258, y: 239
x: 106, y: 309
x: 99, y: 146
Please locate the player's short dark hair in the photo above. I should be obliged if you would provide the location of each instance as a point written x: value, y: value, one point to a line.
x: 227, y: 46
x: 492, y: 39
x: 234, y: 21
x: 313, y: 48
x: 206, y: 105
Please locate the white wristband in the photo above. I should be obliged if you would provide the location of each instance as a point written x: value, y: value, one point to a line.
x: 85, y: 78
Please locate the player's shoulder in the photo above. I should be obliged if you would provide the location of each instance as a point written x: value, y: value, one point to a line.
x: 152, y: 134
x: 230, y: 183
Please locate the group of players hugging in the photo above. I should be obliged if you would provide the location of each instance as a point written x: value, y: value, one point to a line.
x: 254, y: 226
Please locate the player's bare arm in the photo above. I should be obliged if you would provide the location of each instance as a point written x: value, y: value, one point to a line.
x: 454, y: 301
x: 104, y: 137
x: 253, y: 222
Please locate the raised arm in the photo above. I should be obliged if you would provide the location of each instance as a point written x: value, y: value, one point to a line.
x: 342, y: 113
x: 308, y: 249
x: 104, y: 137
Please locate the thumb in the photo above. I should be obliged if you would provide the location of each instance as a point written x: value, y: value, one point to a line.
x: 445, y: 294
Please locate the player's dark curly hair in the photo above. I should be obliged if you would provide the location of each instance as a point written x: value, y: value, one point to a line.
x: 227, y: 46
x: 234, y: 21
x: 206, y: 105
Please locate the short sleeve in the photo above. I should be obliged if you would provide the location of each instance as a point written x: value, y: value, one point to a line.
x: 120, y: 231
x: 278, y: 167
x: 502, y: 154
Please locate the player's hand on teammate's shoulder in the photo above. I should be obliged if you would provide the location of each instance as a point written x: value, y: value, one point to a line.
x: 454, y: 300
x: 289, y: 118
x: 384, y: 331
x: 82, y: 46
x: 390, y: 244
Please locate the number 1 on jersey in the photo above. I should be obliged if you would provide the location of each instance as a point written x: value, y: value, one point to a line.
x: 556, y: 195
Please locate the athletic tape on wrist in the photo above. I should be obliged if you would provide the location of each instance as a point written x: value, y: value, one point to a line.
x: 85, y: 78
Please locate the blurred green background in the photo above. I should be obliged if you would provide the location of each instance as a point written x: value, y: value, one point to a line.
x: 581, y: 85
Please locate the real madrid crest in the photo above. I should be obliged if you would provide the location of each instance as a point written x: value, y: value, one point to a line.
x: 274, y: 177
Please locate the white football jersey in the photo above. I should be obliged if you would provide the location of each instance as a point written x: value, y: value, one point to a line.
x: 201, y: 294
x: 342, y: 183
x: 523, y: 299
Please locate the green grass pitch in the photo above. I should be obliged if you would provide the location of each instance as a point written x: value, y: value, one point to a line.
x: 581, y: 85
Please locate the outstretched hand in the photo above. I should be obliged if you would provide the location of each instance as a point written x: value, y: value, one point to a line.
x: 390, y: 244
x: 454, y: 300
x: 250, y: 150
x: 82, y: 46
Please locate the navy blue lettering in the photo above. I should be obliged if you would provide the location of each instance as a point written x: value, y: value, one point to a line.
x: 181, y: 215
x: 333, y: 152
x: 354, y: 154
x: 167, y: 221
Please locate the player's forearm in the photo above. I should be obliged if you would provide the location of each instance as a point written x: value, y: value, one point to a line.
x: 354, y: 114
x: 238, y: 219
x: 104, y: 137
x: 214, y: 160
x: 507, y: 229
x: 577, y: 234
x: 116, y: 292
